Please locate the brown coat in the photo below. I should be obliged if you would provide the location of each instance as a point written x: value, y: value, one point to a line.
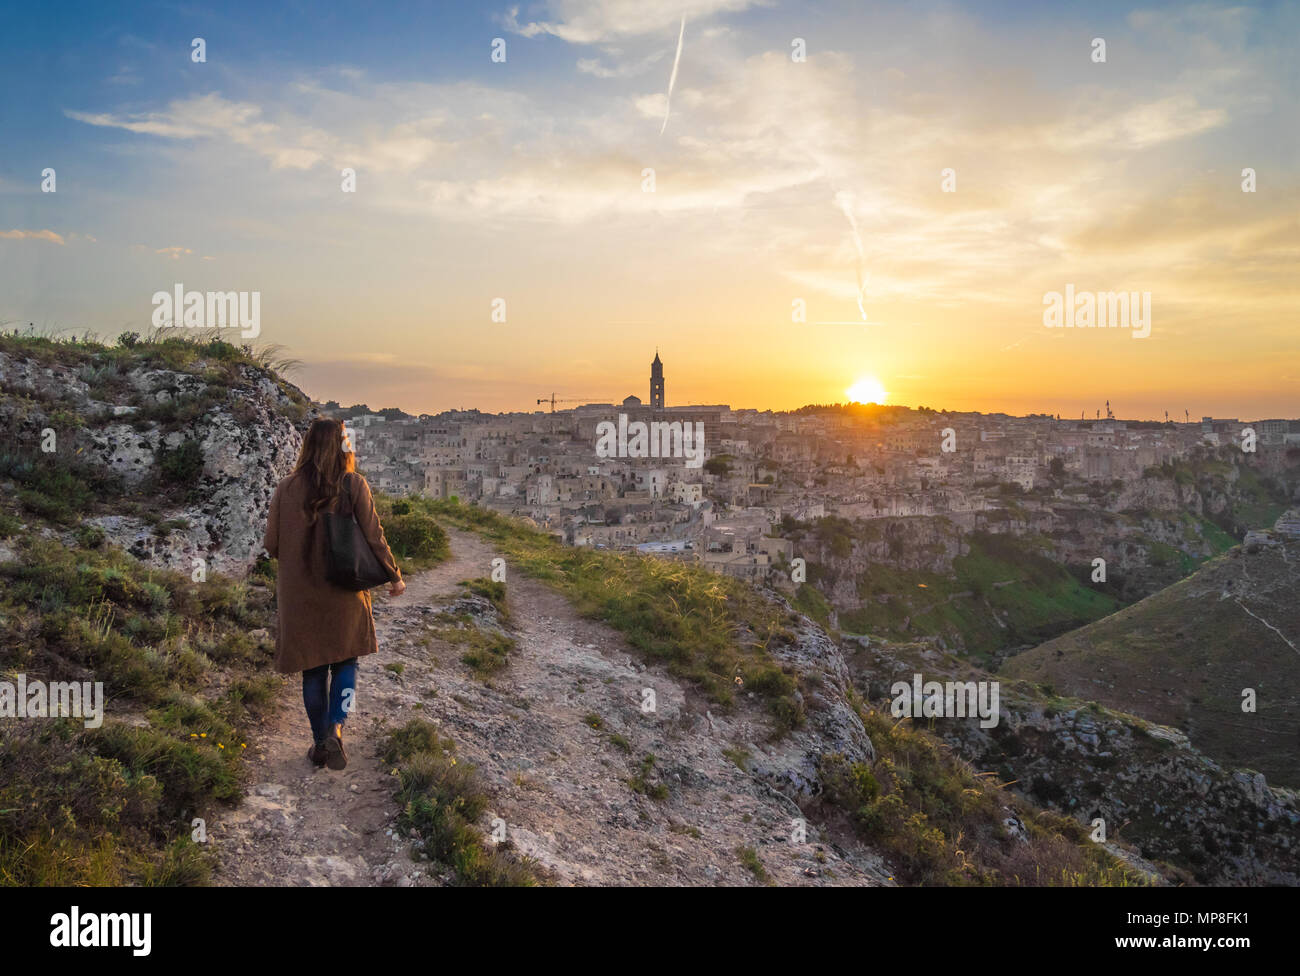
x: 320, y: 623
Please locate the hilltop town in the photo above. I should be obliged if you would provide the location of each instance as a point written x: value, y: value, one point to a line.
x: 765, y: 468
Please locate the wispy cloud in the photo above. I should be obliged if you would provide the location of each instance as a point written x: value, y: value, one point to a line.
x: 33, y: 235
x: 214, y: 117
x: 615, y: 68
x: 594, y: 21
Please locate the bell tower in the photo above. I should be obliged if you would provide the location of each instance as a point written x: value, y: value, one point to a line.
x: 657, y: 383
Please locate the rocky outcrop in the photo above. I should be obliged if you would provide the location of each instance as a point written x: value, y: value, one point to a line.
x: 1146, y: 782
x: 791, y: 764
x: 1148, y: 785
x: 195, y: 452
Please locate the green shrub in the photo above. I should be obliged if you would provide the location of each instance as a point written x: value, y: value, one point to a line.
x: 52, y: 488
x: 90, y: 537
x: 493, y: 590
x: 749, y: 858
x: 181, y: 465
x: 9, y: 525
x: 190, y: 772
x: 72, y: 815
x: 643, y: 783
x: 486, y: 651
x: 440, y: 799
x: 417, y: 538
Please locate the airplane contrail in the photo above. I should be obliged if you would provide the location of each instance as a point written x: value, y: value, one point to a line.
x: 672, y: 79
x: 845, y: 201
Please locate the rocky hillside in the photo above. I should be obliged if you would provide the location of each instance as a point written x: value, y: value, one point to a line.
x: 127, y: 470
x: 1193, y: 654
x: 1197, y: 819
x: 170, y: 449
x: 764, y: 736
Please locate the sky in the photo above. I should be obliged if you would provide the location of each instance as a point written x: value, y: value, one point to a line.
x: 780, y: 227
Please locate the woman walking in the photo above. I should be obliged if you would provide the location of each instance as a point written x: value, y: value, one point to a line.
x: 323, y: 628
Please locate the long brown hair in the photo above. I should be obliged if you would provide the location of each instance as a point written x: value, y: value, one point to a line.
x: 323, y: 463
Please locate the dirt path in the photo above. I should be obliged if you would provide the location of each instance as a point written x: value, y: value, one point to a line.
x: 561, y: 786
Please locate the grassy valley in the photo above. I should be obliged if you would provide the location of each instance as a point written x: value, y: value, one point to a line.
x: 1185, y: 656
x: 1002, y: 591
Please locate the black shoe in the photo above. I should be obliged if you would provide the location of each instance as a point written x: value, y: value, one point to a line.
x: 317, y: 754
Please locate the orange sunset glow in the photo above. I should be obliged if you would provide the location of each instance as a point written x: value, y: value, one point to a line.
x: 904, y: 196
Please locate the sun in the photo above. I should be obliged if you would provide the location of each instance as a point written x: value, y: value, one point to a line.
x: 867, y: 390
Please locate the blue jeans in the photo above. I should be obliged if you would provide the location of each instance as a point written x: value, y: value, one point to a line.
x: 328, y: 707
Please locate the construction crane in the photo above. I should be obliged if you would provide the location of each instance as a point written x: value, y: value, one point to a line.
x: 553, y: 401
